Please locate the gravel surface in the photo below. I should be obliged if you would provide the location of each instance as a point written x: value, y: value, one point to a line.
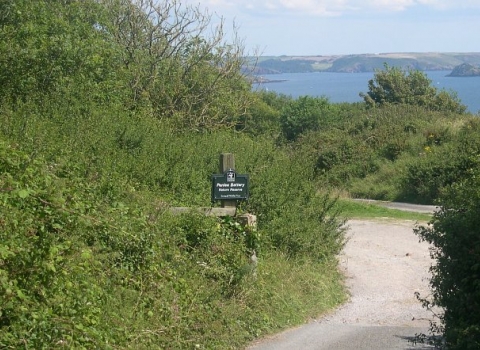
x: 384, y: 264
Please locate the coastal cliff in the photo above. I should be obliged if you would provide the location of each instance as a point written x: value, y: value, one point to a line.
x: 465, y: 70
x: 370, y: 62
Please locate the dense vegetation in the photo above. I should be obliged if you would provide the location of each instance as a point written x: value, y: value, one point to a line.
x: 113, y: 111
x: 455, y: 282
x: 454, y: 234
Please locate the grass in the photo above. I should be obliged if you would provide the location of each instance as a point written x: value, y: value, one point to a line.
x: 353, y: 209
x: 321, y: 66
x: 288, y: 292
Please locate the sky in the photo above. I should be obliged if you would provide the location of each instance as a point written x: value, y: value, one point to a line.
x: 340, y: 27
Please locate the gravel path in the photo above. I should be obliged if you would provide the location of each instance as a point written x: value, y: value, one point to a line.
x: 385, y: 265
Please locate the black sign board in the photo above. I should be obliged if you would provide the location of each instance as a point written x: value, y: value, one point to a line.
x: 229, y: 186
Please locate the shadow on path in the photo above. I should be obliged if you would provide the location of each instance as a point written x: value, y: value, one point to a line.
x: 415, y: 345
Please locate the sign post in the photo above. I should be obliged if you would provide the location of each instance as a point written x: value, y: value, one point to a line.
x: 228, y: 187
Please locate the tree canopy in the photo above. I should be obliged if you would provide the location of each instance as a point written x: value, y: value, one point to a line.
x: 304, y: 114
x: 159, y: 56
x: 394, y: 85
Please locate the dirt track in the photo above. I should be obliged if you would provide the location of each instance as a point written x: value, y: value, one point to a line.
x: 385, y: 264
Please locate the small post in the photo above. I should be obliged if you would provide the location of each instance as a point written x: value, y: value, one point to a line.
x: 227, y: 161
x: 248, y: 220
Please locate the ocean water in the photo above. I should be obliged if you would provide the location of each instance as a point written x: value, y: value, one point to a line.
x: 345, y: 87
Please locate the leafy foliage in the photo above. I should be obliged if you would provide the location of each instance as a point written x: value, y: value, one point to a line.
x: 176, y: 65
x: 397, y: 152
x: 263, y: 115
x: 101, y: 107
x: 107, y: 182
x: 47, y: 278
x: 447, y: 158
x: 113, y: 111
x: 55, y: 48
x: 304, y: 114
x: 455, y: 276
x: 396, y: 86
x: 158, y: 57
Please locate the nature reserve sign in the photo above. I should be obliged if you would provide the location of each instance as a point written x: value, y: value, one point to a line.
x: 229, y: 186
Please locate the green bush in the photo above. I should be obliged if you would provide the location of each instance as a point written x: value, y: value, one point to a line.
x: 319, y: 236
x: 455, y: 278
x: 438, y: 167
x: 302, y: 115
x: 48, y: 288
x: 79, y: 271
x: 397, y: 152
x: 381, y: 184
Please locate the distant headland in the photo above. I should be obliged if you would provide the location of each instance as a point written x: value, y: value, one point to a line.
x: 459, y: 64
x: 465, y: 70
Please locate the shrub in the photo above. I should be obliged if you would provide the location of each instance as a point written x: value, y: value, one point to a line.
x: 292, y: 216
x: 319, y: 235
x: 455, y: 280
x: 49, y: 294
x: 438, y: 167
x: 304, y: 114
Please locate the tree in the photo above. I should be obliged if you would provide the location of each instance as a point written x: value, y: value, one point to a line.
x: 178, y: 65
x: 397, y: 86
x: 160, y: 57
x: 49, y: 47
x: 263, y: 115
x: 304, y: 114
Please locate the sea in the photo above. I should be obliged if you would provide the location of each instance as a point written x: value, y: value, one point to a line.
x: 346, y: 87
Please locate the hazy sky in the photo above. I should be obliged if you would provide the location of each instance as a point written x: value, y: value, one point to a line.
x: 325, y: 27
